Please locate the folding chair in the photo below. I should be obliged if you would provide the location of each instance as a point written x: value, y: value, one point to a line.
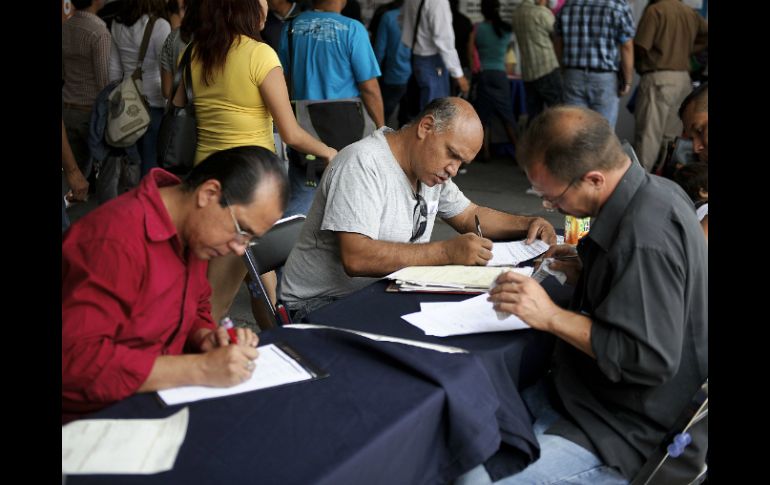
x: 667, y: 463
x: 270, y: 253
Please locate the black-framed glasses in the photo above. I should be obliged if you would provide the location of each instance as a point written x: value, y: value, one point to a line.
x: 550, y: 203
x: 242, y: 237
x: 421, y: 220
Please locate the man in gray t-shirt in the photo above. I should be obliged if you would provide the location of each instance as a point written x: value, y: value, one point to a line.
x: 377, y: 202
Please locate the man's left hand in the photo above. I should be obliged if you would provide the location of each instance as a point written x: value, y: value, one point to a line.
x: 524, y: 297
x: 542, y: 229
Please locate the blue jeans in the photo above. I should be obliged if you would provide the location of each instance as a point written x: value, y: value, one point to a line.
x: 594, y: 90
x: 432, y: 77
x: 300, y: 195
x: 561, y: 461
x: 148, y: 143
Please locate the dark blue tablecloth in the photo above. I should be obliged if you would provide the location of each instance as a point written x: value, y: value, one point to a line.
x: 387, y: 414
x: 513, y: 360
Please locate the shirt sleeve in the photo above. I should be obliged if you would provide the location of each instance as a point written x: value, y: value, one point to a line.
x: 362, y: 58
x: 637, y: 329
x: 452, y: 201
x: 101, y: 59
x: 381, y: 42
x: 101, y: 284
x: 167, y: 60
x: 625, y: 21
x: 354, y: 197
x: 203, y: 319
x: 444, y: 38
x: 263, y: 60
x: 116, y: 66
x: 645, y: 32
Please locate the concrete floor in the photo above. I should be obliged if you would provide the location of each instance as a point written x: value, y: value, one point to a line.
x: 499, y: 184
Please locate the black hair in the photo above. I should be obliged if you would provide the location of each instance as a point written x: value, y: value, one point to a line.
x: 491, y: 11
x: 443, y: 111
x: 692, y: 178
x: 134, y: 9
x: 240, y: 171
x: 191, y: 20
x: 699, y: 95
x: 82, y: 4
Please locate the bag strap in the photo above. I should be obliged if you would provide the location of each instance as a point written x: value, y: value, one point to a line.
x: 416, y: 25
x: 143, y: 49
x: 183, y: 69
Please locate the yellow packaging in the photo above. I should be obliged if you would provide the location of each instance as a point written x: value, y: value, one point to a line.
x: 575, y: 228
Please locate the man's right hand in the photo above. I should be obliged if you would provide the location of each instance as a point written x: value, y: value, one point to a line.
x: 462, y: 83
x: 228, y: 366
x: 469, y: 250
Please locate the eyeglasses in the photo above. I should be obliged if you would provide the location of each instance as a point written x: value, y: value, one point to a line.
x: 242, y: 237
x: 422, y: 217
x: 551, y: 203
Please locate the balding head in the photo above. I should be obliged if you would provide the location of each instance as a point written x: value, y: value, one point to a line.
x: 450, y: 113
x: 570, y: 141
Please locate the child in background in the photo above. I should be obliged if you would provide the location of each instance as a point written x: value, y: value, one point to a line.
x: 694, y: 179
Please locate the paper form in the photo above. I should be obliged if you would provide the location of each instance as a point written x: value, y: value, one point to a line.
x: 475, y: 315
x: 124, y: 446
x: 274, y: 368
x: 516, y: 252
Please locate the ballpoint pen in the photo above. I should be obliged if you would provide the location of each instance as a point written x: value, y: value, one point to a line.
x: 227, y: 323
x: 478, y: 226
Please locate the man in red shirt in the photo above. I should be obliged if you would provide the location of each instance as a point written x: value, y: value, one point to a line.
x: 136, y: 315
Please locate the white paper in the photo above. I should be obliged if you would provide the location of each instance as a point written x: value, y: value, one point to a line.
x: 475, y: 315
x: 274, y: 368
x: 516, y: 252
x: 124, y: 446
x: 382, y: 338
x: 545, y: 269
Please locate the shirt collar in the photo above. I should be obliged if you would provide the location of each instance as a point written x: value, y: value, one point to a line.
x: 604, y: 226
x: 157, y: 222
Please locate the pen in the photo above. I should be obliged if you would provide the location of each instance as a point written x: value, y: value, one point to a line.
x: 227, y: 323
x: 478, y: 226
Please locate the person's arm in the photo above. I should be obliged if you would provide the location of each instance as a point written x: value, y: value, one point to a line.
x: 502, y: 226
x: 372, y: 98
x: 626, y: 66
x: 705, y: 225
x: 166, y: 82
x: 558, y: 49
x: 221, y: 367
x: 363, y: 256
x: 276, y: 98
x: 116, y: 66
x: 524, y: 297
x: 75, y: 179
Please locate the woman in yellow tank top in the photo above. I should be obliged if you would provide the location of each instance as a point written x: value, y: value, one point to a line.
x: 239, y: 89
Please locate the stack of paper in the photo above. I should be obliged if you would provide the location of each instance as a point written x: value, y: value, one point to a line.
x: 475, y: 315
x: 516, y: 252
x: 451, y: 278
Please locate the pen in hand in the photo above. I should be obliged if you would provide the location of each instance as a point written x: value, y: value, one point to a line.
x: 227, y: 323
x: 478, y: 226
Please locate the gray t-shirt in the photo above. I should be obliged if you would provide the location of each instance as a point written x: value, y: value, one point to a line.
x: 364, y: 191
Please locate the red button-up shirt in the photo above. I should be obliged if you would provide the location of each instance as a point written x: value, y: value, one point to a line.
x: 129, y: 294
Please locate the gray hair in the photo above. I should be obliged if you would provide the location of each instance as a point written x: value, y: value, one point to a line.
x: 442, y: 110
x: 569, y: 152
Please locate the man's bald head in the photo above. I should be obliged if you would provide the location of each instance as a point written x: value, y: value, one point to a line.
x: 570, y: 141
x: 451, y: 113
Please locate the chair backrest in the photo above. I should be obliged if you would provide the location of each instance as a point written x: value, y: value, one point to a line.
x: 275, y: 245
x: 680, y: 457
x: 269, y: 254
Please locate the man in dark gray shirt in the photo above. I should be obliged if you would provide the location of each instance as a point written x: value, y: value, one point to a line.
x: 633, y: 349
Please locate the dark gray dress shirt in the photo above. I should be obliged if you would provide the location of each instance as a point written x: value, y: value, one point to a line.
x: 645, y: 287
